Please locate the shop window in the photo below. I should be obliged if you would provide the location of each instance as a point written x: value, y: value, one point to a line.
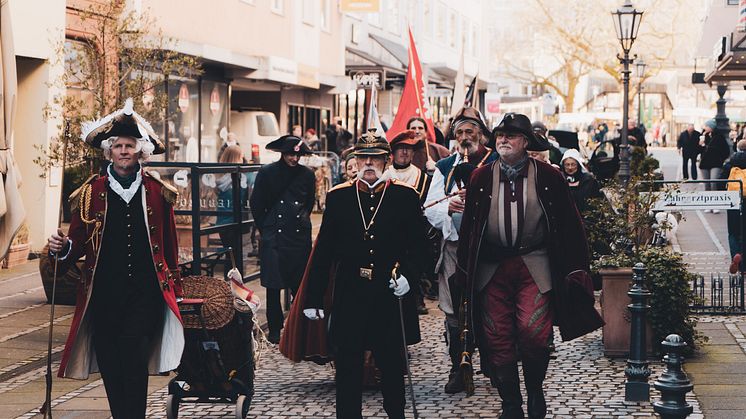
x: 266, y: 125
x: 295, y: 117
x: 214, y: 117
x: 183, y: 120
x: 452, y: 29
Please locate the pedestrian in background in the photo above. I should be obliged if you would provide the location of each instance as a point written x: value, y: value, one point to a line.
x: 424, y: 158
x: 231, y: 155
x: 126, y: 323
x: 714, y: 150
x: 282, y: 200
x: 735, y: 169
x: 688, y: 146
x: 311, y: 140
x: 297, y: 131
x: 583, y: 185
x: 523, y: 257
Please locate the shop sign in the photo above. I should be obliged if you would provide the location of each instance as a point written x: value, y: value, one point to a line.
x: 367, y: 79
x: 358, y: 6
x: 282, y: 70
x: 183, y: 98
x: 215, y: 101
x: 439, y: 92
x: 492, y: 103
x: 308, y: 76
x: 697, y: 200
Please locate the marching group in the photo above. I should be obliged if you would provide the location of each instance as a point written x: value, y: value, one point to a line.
x: 493, y: 227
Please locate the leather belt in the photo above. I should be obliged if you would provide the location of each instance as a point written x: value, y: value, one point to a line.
x: 490, y: 252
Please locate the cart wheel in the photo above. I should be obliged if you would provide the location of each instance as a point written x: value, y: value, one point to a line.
x: 172, y: 407
x: 242, y: 407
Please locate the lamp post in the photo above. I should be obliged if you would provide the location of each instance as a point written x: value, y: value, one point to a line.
x: 640, y: 70
x: 626, y: 23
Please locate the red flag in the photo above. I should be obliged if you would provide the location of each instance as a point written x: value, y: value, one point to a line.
x: 413, y: 101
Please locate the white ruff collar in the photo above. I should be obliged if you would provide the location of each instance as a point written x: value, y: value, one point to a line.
x: 128, y: 193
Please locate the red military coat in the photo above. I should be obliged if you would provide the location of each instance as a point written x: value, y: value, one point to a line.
x: 572, y: 288
x: 89, y: 205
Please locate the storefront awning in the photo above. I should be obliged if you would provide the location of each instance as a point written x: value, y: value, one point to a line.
x: 732, y: 66
x: 397, y: 50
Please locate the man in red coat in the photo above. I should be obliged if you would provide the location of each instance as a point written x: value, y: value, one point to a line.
x: 523, y: 259
x: 126, y: 322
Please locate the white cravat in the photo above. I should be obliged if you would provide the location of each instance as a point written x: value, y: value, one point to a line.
x: 128, y: 193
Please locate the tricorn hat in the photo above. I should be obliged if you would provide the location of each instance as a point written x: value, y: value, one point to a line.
x: 371, y: 144
x: 122, y: 123
x: 406, y: 138
x: 516, y: 122
x: 290, y: 144
x: 472, y: 115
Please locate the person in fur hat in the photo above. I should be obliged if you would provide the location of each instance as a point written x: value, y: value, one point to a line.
x: 126, y: 323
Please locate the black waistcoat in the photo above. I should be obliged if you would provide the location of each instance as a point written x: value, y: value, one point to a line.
x: 125, y: 275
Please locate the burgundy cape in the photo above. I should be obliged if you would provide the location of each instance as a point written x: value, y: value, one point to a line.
x: 304, y: 339
x: 572, y: 288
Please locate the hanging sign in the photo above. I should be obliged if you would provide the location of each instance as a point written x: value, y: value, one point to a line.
x: 215, y: 101
x: 183, y: 97
x: 697, y: 200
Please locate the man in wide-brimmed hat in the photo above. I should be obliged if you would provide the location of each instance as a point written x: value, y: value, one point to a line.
x: 371, y: 225
x: 126, y: 322
x: 282, y: 200
x: 403, y: 147
x: 445, y: 205
x: 523, y: 260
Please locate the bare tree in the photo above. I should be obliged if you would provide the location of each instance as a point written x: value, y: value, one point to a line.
x: 563, y: 41
x: 115, y: 55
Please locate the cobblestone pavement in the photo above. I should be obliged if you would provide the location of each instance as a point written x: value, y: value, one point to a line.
x: 581, y: 383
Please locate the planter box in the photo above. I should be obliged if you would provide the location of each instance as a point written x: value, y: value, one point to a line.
x: 17, y: 255
x: 614, y: 302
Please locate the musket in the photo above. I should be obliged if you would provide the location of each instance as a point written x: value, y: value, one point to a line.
x: 466, y: 366
x: 394, y: 276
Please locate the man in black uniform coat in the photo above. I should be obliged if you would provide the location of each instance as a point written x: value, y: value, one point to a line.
x: 370, y: 224
x: 281, y: 203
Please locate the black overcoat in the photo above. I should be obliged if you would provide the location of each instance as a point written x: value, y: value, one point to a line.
x: 281, y: 204
x: 366, y: 310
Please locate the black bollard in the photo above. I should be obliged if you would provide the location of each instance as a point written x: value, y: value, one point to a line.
x: 673, y: 384
x: 637, y: 388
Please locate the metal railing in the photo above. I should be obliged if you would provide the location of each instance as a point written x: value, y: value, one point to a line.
x: 242, y: 220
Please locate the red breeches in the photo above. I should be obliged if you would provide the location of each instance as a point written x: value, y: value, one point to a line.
x: 516, y: 318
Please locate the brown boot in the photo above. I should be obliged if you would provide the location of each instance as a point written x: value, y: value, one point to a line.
x: 534, y: 372
x: 505, y: 379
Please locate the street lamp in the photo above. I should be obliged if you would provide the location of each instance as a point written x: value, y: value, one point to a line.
x: 640, y: 72
x: 626, y: 23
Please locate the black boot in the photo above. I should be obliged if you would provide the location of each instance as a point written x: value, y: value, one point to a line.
x: 534, y: 371
x: 505, y: 379
x: 455, y: 382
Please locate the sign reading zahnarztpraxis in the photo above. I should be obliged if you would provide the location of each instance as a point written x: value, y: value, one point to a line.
x: 697, y: 200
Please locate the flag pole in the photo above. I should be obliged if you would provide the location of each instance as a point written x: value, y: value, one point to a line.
x: 417, y: 95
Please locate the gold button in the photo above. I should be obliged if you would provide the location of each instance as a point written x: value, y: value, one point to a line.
x: 129, y: 255
x: 279, y: 215
x: 129, y: 236
x: 371, y: 264
x: 372, y: 208
x: 371, y: 251
x: 279, y: 230
x: 129, y: 225
x: 102, y: 195
x: 127, y: 215
x: 372, y: 237
x: 129, y: 265
x: 372, y: 196
x: 156, y: 248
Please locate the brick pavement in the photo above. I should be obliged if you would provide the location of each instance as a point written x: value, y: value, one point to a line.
x: 581, y: 383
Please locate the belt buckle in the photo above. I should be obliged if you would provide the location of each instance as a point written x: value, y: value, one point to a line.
x: 366, y: 273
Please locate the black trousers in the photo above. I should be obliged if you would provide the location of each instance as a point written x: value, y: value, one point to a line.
x: 349, y: 375
x: 122, y: 352
x: 686, y: 161
x: 275, y: 316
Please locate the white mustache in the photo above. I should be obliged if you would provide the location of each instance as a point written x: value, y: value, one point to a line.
x: 378, y: 171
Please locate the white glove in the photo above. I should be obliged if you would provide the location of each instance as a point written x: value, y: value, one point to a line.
x: 314, y: 313
x: 400, y: 287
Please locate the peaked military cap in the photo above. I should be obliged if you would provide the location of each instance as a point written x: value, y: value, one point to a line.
x: 371, y: 144
x: 406, y: 137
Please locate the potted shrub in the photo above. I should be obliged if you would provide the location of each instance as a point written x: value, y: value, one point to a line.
x: 620, y: 231
x: 19, y: 248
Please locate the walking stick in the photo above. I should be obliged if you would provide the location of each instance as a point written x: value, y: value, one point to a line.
x: 46, y: 408
x: 394, y: 275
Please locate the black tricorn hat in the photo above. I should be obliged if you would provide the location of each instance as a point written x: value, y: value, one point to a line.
x: 122, y: 123
x: 516, y: 122
x: 289, y: 144
x: 371, y: 144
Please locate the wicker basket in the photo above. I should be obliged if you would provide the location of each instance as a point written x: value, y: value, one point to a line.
x: 17, y: 255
